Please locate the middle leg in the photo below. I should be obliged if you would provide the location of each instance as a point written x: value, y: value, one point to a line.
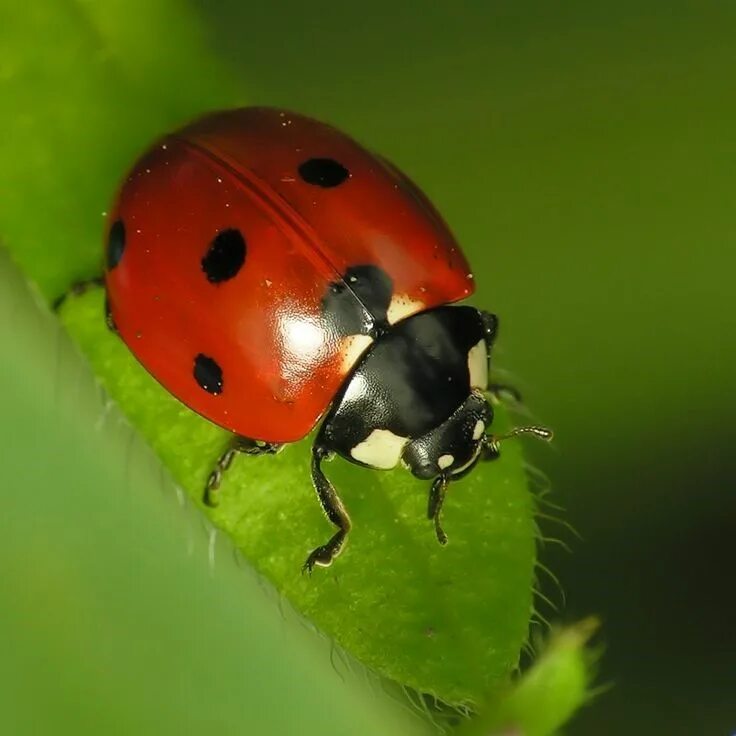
x: 498, y: 391
x: 335, y: 511
x: 434, y: 506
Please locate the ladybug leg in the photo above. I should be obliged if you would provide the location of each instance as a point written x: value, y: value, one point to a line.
x: 501, y: 392
x: 334, y: 510
x: 238, y: 444
x: 434, y: 506
x: 498, y: 391
x: 108, y: 316
x: 82, y: 287
x: 77, y: 289
x: 490, y: 328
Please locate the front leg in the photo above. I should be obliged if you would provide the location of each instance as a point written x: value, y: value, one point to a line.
x: 498, y: 391
x: 490, y: 328
x: 434, y: 506
x: 237, y: 445
x: 335, y: 511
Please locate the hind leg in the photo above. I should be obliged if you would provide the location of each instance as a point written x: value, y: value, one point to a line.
x: 82, y: 287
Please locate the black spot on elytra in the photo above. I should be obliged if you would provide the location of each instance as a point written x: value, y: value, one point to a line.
x: 358, y: 302
x: 208, y: 374
x: 115, y: 244
x: 225, y: 256
x: 323, y: 172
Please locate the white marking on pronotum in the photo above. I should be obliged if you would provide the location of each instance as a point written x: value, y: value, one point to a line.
x: 478, y: 365
x: 402, y: 306
x: 380, y: 449
x: 478, y: 429
x: 444, y: 461
x: 353, y: 347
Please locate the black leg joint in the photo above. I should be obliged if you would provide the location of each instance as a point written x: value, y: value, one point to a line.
x: 77, y: 289
x: 490, y: 327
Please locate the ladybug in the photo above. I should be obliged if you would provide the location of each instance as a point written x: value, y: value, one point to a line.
x: 272, y: 273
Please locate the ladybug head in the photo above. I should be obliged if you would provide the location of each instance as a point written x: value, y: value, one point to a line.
x: 453, y: 448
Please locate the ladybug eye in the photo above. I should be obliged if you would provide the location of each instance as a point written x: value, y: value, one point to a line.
x: 225, y: 256
x: 208, y: 374
x: 323, y: 172
x: 115, y: 244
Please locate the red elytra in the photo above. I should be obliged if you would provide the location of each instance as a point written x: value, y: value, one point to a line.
x: 247, y: 171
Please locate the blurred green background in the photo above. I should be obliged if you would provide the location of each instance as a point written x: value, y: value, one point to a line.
x: 584, y: 155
